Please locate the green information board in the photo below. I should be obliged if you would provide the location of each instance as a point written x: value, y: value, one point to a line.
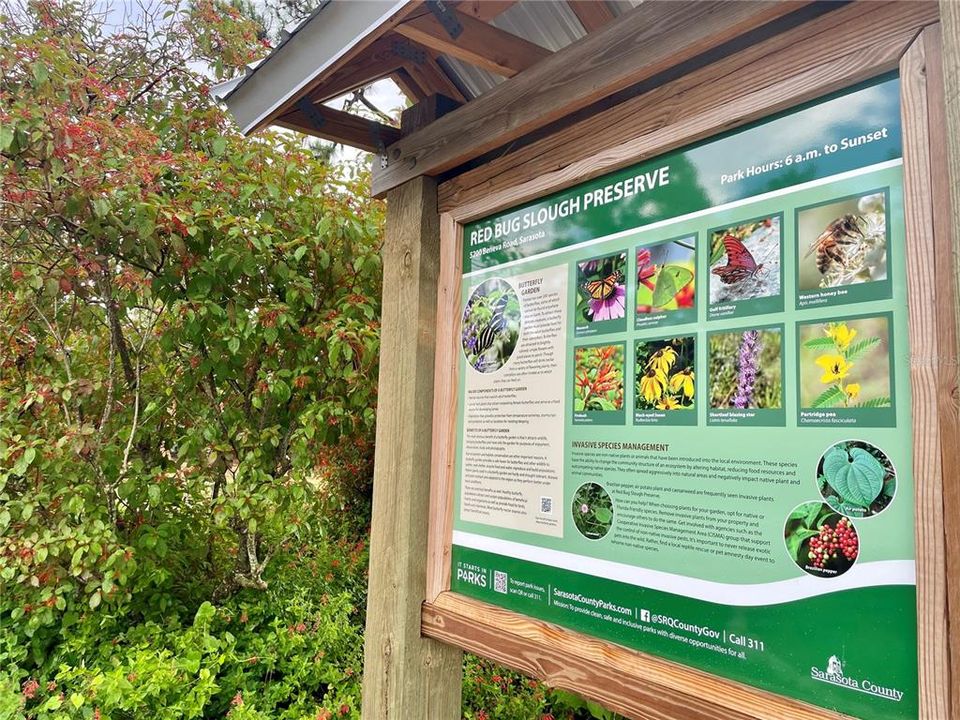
x: 684, y: 409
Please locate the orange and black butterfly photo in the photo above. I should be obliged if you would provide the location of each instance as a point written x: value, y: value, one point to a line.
x: 745, y: 260
x: 601, y: 289
x: 843, y: 242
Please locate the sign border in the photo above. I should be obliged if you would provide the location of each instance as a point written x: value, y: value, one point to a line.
x: 643, y: 685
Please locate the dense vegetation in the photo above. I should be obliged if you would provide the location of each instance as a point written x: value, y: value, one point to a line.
x: 188, y: 362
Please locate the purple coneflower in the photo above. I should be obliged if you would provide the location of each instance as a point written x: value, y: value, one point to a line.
x: 613, y: 308
x: 750, y: 346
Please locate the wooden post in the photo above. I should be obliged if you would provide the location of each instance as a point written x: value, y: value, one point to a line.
x: 406, y: 676
x: 950, y: 23
x: 945, y: 134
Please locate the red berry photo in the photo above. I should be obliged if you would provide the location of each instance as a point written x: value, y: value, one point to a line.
x: 821, y: 541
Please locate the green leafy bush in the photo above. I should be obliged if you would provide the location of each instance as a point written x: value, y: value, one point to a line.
x: 188, y: 371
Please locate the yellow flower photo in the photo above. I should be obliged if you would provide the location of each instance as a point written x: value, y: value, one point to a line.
x: 835, y: 367
x: 841, y: 335
x: 845, y: 364
x: 664, y: 374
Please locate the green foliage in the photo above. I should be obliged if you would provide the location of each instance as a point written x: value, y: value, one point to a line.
x: 592, y: 510
x: 598, y: 378
x: 187, y: 384
x: 856, y: 478
x: 856, y: 475
x: 188, y: 365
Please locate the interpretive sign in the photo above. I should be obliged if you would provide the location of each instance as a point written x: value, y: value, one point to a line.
x: 683, y: 419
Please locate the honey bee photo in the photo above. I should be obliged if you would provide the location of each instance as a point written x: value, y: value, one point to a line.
x: 843, y: 242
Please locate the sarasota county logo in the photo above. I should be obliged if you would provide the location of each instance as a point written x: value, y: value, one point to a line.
x: 834, y: 675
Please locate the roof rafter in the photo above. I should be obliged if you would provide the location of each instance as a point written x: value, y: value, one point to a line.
x: 342, y: 127
x: 592, y: 14
x: 379, y: 61
x: 408, y: 86
x: 485, y: 10
x: 428, y: 74
x: 647, y: 40
x: 479, y: 44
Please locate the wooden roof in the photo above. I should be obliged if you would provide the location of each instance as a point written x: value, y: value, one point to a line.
x: 501, y: 85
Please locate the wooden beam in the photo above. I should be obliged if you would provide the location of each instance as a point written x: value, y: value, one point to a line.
x: 377, y: 61
x: 722, y: 95
x: 943, y: 73
x: 592, y: 14
x: 634, y: 684
x: 431, y: 77
x: 347, y: 58
x: 408, y: 86
x: 406, y: 675
x: 425, y: 112
x: 341, y: 127
x: 928, y: 379
x: 485, y: 10
x: 479, y: 44
x: 648, y: 40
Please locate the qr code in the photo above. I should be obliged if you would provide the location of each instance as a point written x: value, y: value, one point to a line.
x: 546, y: 505
x: 500, y: 582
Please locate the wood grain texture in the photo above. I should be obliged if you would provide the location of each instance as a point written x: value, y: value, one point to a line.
x: 592, y: 14
x: 932, y: 627
x: 697, y: 125
x: 642, y: 43
x: 377, y: 61
x: 431, y: 77
x: 717, y: 95
x: 945, y: 199
x: 406, y: 676
x: 642, y: 686
x: 443, y: 457
x: 479, y: 43
x: 486, y: 10
x: 634, y: 684
x: 408, y: 86
x: 425, y: 112
x: 341, y: 127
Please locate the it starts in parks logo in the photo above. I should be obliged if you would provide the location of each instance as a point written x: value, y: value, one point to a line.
x: 834, y: 675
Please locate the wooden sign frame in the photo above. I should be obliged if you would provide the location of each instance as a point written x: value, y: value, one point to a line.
x: 775, y: 74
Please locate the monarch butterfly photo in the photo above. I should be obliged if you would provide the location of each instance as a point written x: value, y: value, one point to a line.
x: 601, y: 289
x: 745, y: 261
x: 842, y: 243
x: 490, y: 326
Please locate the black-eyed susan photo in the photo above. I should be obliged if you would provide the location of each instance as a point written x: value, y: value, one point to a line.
x: 664, y: 374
